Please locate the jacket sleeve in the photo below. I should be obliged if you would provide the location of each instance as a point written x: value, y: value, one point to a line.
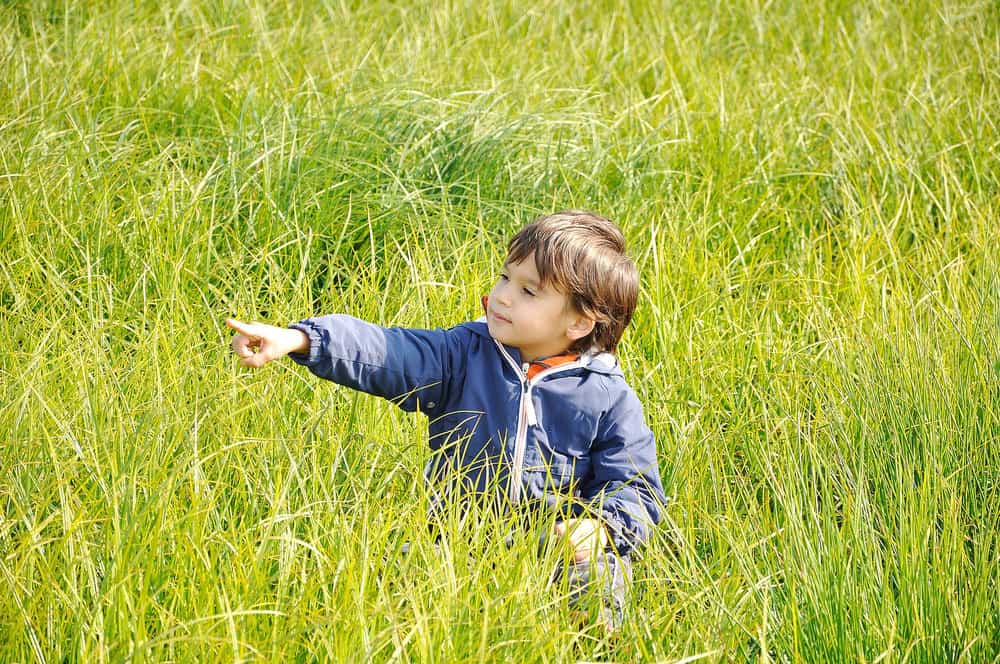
x: 625, y: 487
x: 406, y: 366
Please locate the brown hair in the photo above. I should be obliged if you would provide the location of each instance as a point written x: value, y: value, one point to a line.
x: 583, y: 255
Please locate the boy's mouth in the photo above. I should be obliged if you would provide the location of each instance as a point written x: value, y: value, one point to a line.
x: 491, y: 313
x: 498, y: 317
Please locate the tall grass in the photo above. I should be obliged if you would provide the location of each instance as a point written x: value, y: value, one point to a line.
x: 811, y: 191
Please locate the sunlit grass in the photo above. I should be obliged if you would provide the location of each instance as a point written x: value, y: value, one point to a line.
x: 810, y: 190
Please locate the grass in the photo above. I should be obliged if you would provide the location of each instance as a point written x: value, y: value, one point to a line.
x: 811, y: 191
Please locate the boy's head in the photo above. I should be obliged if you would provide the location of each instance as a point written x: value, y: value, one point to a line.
x: 566, y: 285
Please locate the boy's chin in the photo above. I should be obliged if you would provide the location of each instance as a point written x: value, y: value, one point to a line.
x: 500, y: 335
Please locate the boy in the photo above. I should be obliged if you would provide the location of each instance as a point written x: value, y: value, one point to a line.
x: 529, y: 398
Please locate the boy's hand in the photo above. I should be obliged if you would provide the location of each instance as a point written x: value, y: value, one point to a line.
x: 585, y: 536
x: 257, y: 344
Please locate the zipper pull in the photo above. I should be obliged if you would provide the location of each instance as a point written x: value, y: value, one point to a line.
x: 529, y: 407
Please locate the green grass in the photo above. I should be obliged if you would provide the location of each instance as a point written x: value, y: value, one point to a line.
x: 811, y: 191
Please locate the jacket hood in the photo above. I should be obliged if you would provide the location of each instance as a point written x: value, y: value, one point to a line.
x: 599, y: 362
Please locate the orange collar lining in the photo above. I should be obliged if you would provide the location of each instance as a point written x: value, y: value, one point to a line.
x: 538, y: 366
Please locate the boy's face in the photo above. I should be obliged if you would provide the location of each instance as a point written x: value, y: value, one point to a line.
x: 536, y: 320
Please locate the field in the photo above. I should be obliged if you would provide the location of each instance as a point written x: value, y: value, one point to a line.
x: 811, y: 191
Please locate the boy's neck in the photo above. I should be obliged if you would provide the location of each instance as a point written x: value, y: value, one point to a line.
x: 566, y: 352
x: 540, y: 364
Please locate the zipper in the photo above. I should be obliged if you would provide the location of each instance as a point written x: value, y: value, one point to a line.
x: 521, y: 437
x: 526, y: 416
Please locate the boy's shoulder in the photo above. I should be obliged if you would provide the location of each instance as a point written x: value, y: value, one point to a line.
x: 477, y: 327
x: 607, y: 364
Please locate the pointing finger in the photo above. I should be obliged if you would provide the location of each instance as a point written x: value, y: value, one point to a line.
x: 242, y: 328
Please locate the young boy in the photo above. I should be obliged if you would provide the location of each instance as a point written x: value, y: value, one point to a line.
x: 529, y: 398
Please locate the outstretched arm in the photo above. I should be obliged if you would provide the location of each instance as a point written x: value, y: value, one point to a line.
x: 410, y: 367
x: 257, y: 343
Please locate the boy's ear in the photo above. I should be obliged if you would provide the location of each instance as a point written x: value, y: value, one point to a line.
x: 580, y: 327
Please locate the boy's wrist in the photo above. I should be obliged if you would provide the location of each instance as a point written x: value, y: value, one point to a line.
x: 298, y: 341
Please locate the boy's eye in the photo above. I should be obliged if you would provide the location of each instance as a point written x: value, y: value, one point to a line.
x: 503, y: 277
x: 528, y: 291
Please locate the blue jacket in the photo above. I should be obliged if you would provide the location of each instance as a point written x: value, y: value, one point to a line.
x: 573, y: 437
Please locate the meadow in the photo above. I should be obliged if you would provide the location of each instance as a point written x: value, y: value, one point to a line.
x: 811, y: 191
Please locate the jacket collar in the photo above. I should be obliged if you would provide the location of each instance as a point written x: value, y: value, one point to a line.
x: 536, y: 367
x: 598, y: 362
